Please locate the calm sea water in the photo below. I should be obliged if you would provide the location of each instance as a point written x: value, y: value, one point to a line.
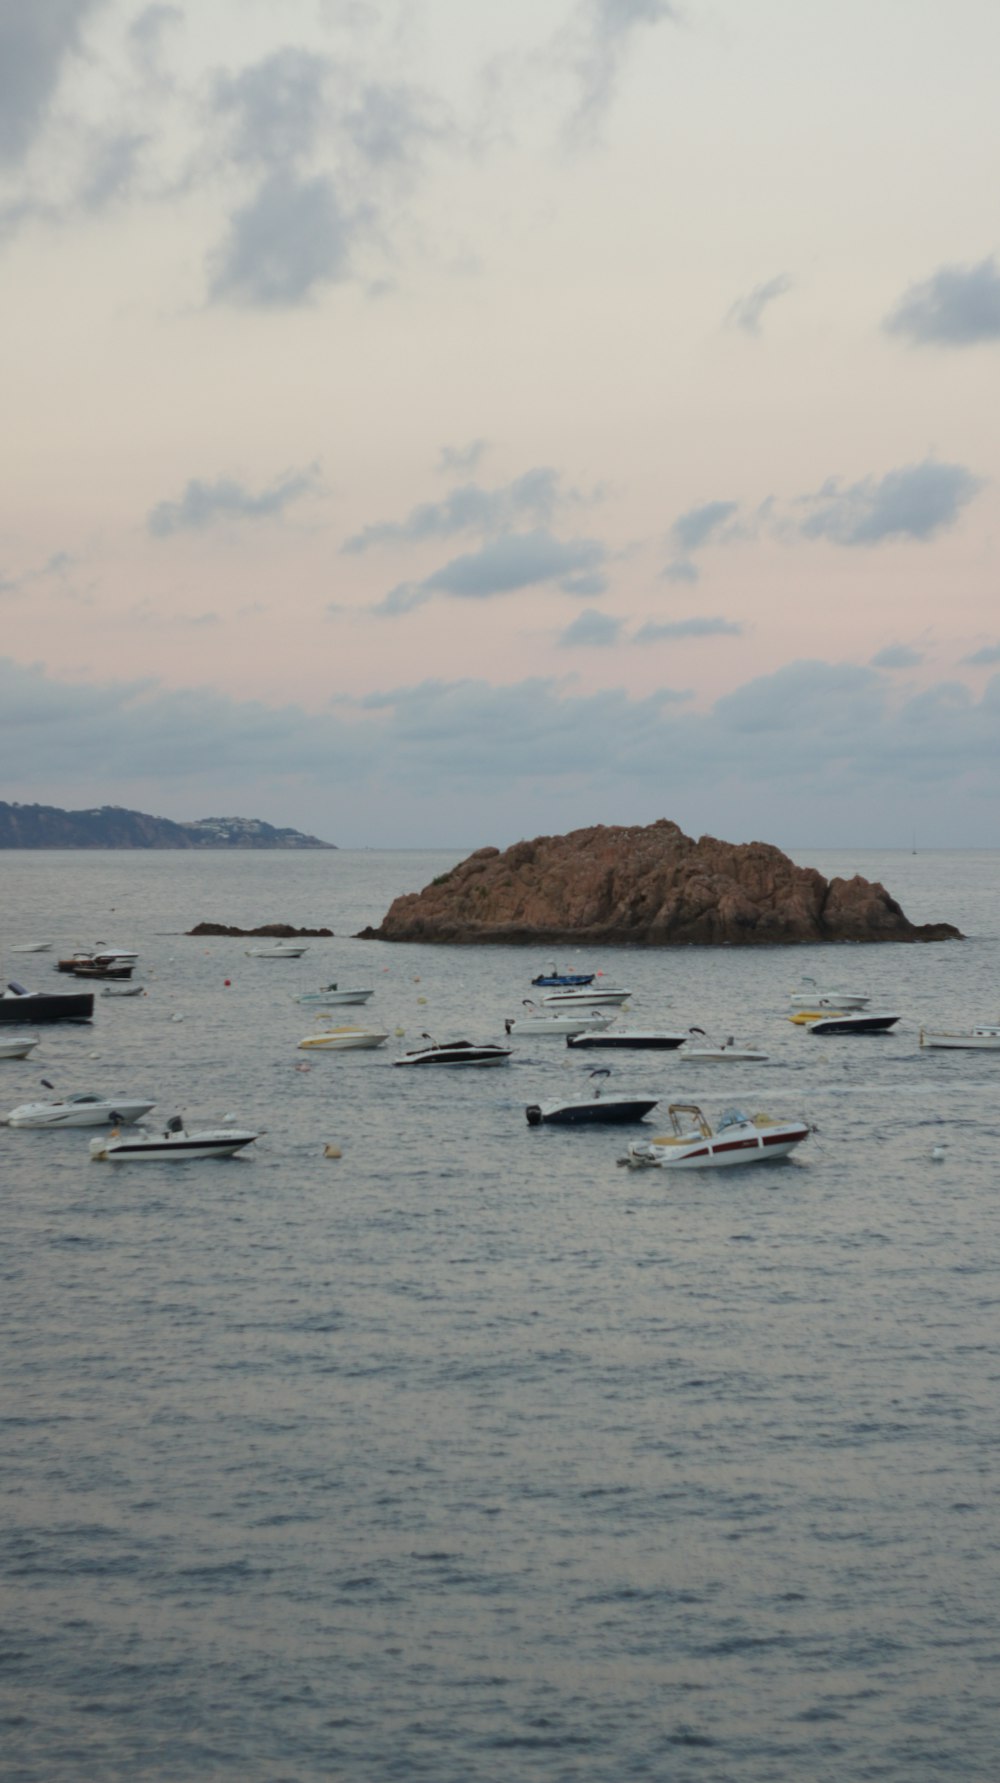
x: 469, y: 1456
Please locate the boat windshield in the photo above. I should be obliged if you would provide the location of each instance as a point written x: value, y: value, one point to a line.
x: 733, y: 1117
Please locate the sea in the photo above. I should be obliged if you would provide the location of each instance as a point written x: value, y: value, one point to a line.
x: 465, y: 1455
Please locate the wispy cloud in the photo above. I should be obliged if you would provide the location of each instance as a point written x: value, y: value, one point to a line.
x: 655, y: 631
x: 37, y: 39
x: 914, y: 502
x: 592, y: 629
x: 594, y: 43
x: 514, y: 561
x: 747, y: 311
x: 535, y: 496
x: 203, y: 504
x: 897, y: 656
x: 986, y: 657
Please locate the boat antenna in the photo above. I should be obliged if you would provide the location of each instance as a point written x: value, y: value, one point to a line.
x: 700, y: 1031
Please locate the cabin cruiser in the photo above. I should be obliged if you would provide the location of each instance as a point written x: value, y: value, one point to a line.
x: 692, y: 1144
x: 19, y: 1047
x: 814, y: 996
x: 106, y: 959
x: 20, y: 1005
x: 653, y: 1039
x: 585, y: 996
x: 845, y: 1021
x: 454, y: 1052
x: 78, y: 1111
x: 347, y: 1038
x: 175, y: 1145
x: 556, y: 1024
x: 985, y: 1037
x: 86, y: 967
x: 276, y: 950
x: 593, y: 1105
x: 554, y: 980
x: 330, y: 994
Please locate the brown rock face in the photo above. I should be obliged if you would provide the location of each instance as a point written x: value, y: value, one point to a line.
x: 653, y: 887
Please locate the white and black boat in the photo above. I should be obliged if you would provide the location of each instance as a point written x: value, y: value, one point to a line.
x: 455, y: 1052
x: 79, y: 1111
x: 19, y: 1046
x: 20, y: 1005
x: 585, y: 996
x: 724, y: 1052
x: 692, y: 1144
x: 593, y: 1105
x: 556, y: 1024
x: 635, y: 1039
x: 175, y: 1145
x: 852, y: 1021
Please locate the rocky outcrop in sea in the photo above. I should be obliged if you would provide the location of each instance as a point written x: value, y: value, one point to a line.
x: 650, y: 886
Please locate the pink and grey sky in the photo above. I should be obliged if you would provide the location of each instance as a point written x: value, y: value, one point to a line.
x: 432, y: 422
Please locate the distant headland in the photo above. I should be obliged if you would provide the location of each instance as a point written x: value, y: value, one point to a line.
x: 651, y: 887
x: 111, y: 826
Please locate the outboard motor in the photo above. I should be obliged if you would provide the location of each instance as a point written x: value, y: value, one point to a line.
x: 534, y: 1114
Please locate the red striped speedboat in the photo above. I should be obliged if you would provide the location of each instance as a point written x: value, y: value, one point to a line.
x: 692, y: 1144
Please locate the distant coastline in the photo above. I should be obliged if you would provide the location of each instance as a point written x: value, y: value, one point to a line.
x: 112, y: 826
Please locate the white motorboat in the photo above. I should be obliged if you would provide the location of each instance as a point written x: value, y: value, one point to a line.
x: 123, y: 990
x: 698, y: 1046
x: 556, y: 1024
x: 347, y: 1038
x: 455, y: 1052
x: 78, y: 1111
x: 814, y: 996
x: 590, y: 996
x: 636, y: 1039
x: 692, y: 1144
x: 594, y: 1104
x: 275, y: 950
x: 845, y: 1021
x: 19, y: 1047
x: 32, y: 947
x: 985, y: 1037
x: 330, y: 994
x: 175, y: 1145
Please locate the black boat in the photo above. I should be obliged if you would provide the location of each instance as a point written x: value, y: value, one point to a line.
x: 455, y: 1052
x: 619, y: 1106
x: 660, y: 1038
x: 20, y: 1005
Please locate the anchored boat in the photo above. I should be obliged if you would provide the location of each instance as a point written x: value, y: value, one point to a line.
x: 692, y: 1144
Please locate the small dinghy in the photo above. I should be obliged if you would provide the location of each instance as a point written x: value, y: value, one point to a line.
x: 330, y: 994
x: 985, y: 1037
x: 175, y: 1145
x: 592, y: 1105
x: 79, y: 1111
x: 347, y: 1038
x: 693, y: 1145
x: 455, y: 1052
x: 555, y: 1024
x: 586, y: 997
x: 19, y: 1047
x: 725, y: 1053
x: 845, y: 1021
x: 123, y: 990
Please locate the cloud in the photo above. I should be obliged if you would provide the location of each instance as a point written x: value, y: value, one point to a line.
x: 535, y: 496
x: 461, y: 458
x: 505, y: 565
x: 700, y: 525
x: 915, y: 502
x: 592, y: 629
x: 958, y: 306
x: 204, y: 504
x: 595, y: 43
x: 112, y: 171
x: 291, y: 238
x: 681, y: 570
x: 276, y: 108
x: 147, y: 32
x: 896, y: 656
x: 37, y: 38
x: 747, y: 311
x: 984, y: 658
x: 654, y: 632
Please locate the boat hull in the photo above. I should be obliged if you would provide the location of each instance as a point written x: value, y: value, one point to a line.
x: 446, y: 1057
x: 636, y: 1039
x: 19, y: 1047
x: 104, y: 1113
x: 331, y: 999
x: 347, y: 1040
x: 606, y: 1110
x: 40, y: 1006
x: 171, y: 1148
x: 718, y: 1153
x: 611, y: 998
x: 846, y: 1023
x: 988, y: 1041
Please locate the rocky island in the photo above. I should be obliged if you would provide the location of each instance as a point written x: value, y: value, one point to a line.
x: 649, y: 886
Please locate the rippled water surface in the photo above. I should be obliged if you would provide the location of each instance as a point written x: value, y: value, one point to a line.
x: 468, y: 1455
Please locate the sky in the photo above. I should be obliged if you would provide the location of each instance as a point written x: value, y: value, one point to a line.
x: 431, y: 423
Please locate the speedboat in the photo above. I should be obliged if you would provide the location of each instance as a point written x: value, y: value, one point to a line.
x: 846, y: 1021
x: 78, y: 1111
x: 455, y: 1052
x: 725, y: 1053
x: 329, y: 994
x: 175, y: 1145
x: 20, y: 1005
x: 20, y: 1047
x: 585, y: 996
x: 693, y: 1145
x: 660, y: 1039
x: 554, y: 980
x: 814, y: 996
x: 556, y: 1024
x: 276, y: 950
x: 985, y: 1037
x: 348, y: 1038
x: 593, y: 1105
x: 32, y: 947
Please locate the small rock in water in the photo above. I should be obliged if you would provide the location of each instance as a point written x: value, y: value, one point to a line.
x: 332, y: 1151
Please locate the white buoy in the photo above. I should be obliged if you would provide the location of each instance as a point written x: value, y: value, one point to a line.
x: 937, y: 1154
x: 177, y: 1016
